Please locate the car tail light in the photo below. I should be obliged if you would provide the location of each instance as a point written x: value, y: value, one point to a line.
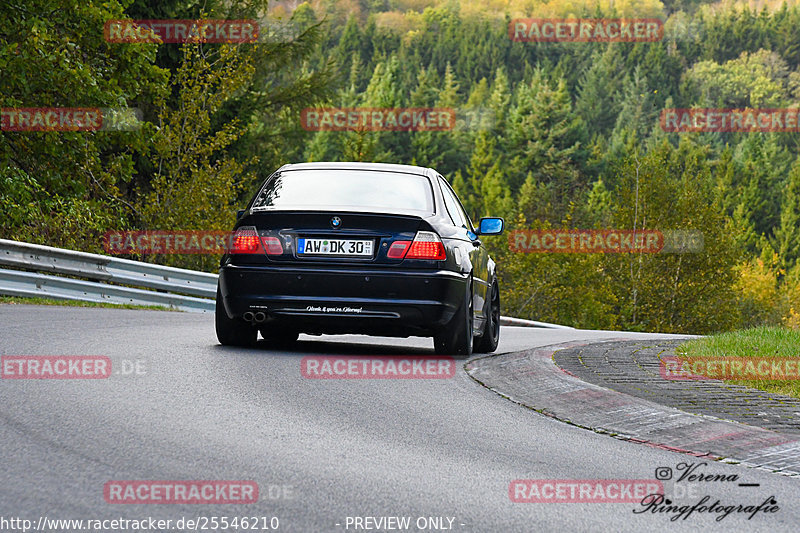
x: 272, y: 245
x: 426, y: 245
x: 246, y: 241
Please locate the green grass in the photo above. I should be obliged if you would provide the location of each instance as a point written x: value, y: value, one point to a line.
x: 762, y: 342
x: 15, y: 300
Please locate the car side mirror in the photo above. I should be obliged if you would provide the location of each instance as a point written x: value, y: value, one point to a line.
x: 239, y: 213
x: 491, y: 226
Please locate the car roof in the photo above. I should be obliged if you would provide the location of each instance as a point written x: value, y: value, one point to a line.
x: 379, y: 167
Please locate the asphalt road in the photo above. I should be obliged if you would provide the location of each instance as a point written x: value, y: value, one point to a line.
x: 320, y: 450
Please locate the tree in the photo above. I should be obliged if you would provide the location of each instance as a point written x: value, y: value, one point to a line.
x: 665, y: 189
x: 440, y: 149
x: 787, y: 235
x: 544, y: 136
x: 600, y: 94
x: 63, y: 187
x: 637, y: 114
x: 448, y: 94
x: 761, y: 167
x: 194, y: 186
x: 500, y: 99
x: 759, y: 79
x: 489, y: 195
x: 425, y: 92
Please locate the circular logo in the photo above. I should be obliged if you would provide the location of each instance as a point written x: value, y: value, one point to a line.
x: 336, y: 222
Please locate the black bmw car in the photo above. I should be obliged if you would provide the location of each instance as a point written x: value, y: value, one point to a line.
x: 378, y: 249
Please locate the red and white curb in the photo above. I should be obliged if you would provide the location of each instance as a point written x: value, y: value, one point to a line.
x: 532, y: 379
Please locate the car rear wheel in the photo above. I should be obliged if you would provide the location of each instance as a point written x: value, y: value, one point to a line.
x: 491, y: 328
x: 456, y: 338
x: 232, y: 331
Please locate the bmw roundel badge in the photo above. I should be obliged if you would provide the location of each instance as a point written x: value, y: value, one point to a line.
x: 336, y: 222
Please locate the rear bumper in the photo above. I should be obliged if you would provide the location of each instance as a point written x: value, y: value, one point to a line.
x: 327, y: 300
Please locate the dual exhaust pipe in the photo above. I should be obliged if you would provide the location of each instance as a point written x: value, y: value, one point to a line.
x: 254, y: 318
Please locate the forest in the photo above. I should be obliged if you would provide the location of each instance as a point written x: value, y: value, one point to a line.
x: 564, y: 135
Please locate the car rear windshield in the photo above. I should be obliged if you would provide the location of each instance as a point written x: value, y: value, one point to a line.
x: 347, y: 189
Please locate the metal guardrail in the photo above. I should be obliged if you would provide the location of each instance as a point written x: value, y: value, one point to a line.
x: 511, y: 321
x: 106, y: 268
x: 186, y: 290
x: 193, y: 291
x: 29, y: 284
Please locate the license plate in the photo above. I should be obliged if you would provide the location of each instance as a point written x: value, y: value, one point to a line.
x: 351, y: 247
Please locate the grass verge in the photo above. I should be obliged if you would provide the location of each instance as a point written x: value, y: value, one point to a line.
x: 768, y: 343
x: 15, y: 300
